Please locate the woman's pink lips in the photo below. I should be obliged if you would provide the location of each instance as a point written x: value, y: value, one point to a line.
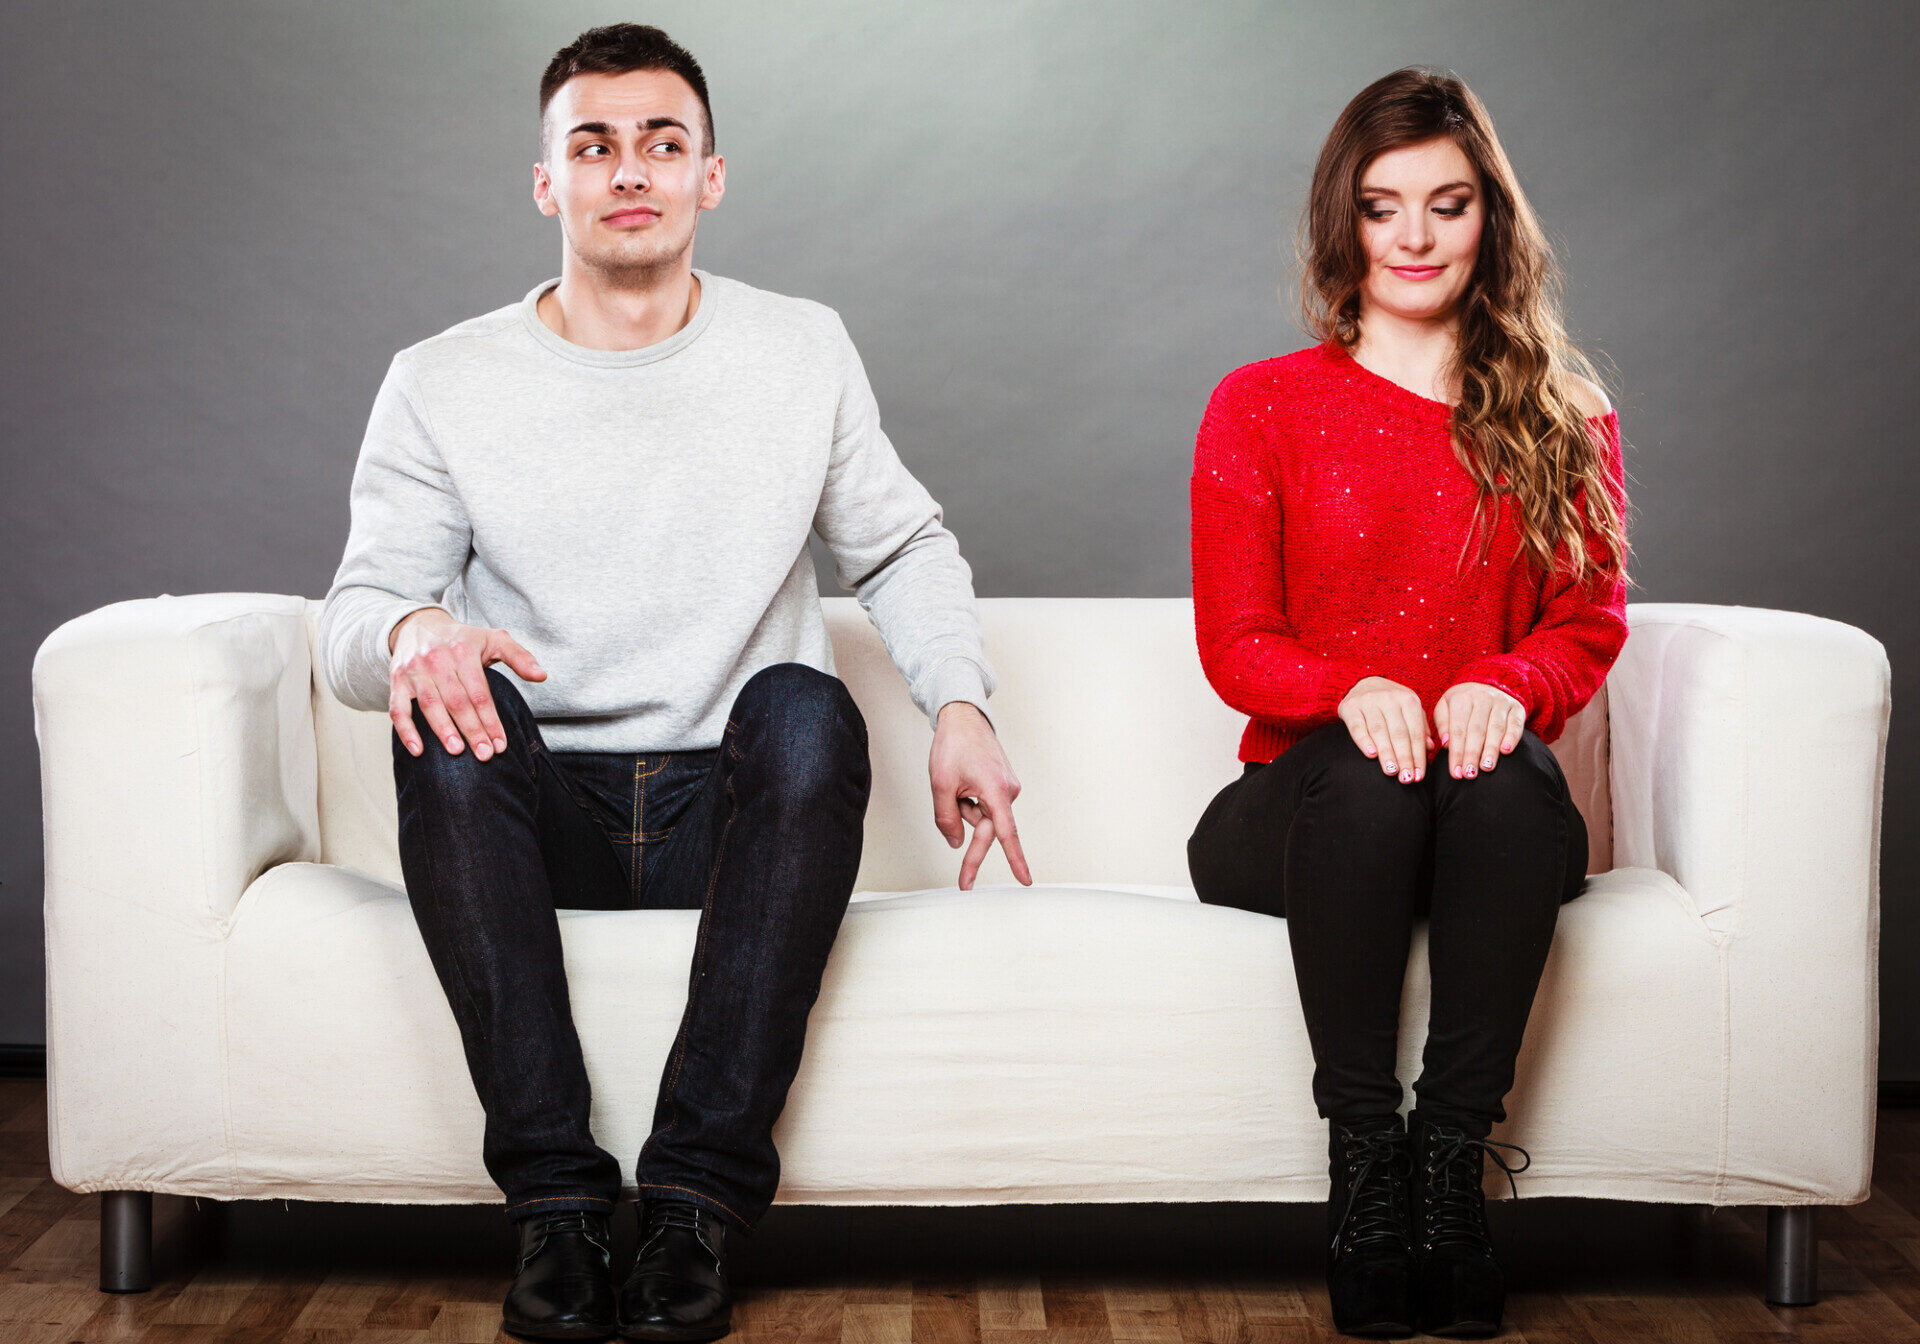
x: 1416, y: 272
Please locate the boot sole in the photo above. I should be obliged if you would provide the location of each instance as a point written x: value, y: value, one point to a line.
x: 1465, y: 1330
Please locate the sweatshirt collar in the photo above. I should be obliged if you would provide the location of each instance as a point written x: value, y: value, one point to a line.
x: 710, y: 300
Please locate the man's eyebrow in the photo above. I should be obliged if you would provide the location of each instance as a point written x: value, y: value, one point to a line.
x: 1389, y: 191
x: 652, y: 124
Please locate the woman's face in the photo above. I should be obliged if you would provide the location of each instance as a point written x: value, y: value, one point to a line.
x: 1420, y: 218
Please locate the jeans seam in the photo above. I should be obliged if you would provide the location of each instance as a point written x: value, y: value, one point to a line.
x: 633, y: 859
x: 658, y: 1185
x: 699, y: 954
x: 555, y: 1199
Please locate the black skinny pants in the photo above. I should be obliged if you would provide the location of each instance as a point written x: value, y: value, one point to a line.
x: 1349, y: 856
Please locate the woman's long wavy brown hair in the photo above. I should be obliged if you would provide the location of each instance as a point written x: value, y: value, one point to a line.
x: 1513, y: 359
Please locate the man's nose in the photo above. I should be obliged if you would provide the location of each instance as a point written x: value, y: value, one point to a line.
x: 631, y: 175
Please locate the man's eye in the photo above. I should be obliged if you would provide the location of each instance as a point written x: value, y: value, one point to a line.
x: 668, y: 145
x: 585, y: 148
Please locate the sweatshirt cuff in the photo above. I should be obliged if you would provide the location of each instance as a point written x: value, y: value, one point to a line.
x: 401, y: 611
x: 954, y: 679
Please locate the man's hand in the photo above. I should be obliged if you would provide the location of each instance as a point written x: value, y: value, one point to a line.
x: 442, y: 664
x: 972, y: 780
x: 1385, y: 721
x: 1487, y: 721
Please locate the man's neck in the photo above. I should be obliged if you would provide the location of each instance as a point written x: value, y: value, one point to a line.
x: 600, y: 317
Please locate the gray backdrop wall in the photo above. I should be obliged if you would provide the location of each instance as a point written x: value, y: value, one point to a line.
x: 1051, y: 228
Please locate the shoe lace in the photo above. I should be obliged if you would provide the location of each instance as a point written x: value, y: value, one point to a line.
x: 672, y: 1213
x: 1455, y: 1209
x: 665, y: 1213
x: 1376, y: 1163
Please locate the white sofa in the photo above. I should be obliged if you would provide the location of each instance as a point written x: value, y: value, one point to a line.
x: 239, y: 1005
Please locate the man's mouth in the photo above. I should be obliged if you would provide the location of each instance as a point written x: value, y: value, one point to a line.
x: 636, y: 215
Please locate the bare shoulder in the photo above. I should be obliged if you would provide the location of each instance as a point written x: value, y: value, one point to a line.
x: 1588, y: 395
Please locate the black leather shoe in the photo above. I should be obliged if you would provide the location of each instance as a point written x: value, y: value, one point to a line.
x: 1369, y: 1250
x: 677, y: 1289
x: 1459, y: 1288
x: 563, y: 1288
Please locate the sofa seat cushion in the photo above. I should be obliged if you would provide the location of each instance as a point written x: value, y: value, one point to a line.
x: 1009, y: 1044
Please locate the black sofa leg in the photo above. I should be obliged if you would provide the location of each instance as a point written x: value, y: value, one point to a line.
x: 126, y: 1241
x: 1793, y: 1256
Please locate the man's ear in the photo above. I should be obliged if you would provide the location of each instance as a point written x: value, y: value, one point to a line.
x: 716, y: 184
x: 543, y: 191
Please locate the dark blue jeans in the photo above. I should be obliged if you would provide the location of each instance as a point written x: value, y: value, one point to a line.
x: 761, y: 834
x: 1349, y: 857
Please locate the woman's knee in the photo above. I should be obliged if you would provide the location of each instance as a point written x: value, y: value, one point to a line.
x: 1529, y: 776
x: 1340, y: 777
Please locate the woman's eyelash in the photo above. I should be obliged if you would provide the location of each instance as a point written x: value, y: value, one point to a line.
x: 1450, y: 214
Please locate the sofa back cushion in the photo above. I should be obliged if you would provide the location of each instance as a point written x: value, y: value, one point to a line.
x: 1116, y: 737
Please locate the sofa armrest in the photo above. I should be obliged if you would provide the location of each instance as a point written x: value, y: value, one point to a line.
x: 1749, y: 748
x: 176, y: 752
x: 1749, y: 753
x: 176, y: 765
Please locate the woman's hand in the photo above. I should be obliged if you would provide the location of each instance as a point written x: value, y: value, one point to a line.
x: 1387, y: 721
x: 1486, y: 721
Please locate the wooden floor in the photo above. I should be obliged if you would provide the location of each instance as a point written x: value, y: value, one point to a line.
x: 1579, y: 1270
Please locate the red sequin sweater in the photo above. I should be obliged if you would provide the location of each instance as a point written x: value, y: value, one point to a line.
x: 1329, y: 513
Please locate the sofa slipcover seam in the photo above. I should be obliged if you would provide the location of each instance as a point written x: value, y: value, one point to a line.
x: 221, y: 924
x: 226, y: 1072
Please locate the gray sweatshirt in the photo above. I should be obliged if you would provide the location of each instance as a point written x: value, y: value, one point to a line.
x: 639, y: 518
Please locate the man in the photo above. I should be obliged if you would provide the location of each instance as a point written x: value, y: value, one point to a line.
x: 622, y: 469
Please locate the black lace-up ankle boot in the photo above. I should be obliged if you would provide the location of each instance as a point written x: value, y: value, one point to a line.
x: 678, y: 1288
x: 1369, y: 1253
x: 1459, y: 1288
x: 563, y: 1286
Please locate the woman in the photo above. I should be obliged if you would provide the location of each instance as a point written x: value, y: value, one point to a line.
x: 1409, y: 552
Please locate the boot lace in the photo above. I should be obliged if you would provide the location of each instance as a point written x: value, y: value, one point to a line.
x: 570, y: 1220
x: 1376, y: 1164
x: 1455, y: 1209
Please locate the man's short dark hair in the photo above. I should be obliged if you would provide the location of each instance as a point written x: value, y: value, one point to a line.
x: 614, y: 50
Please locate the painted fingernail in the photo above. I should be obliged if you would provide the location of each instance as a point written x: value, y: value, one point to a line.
x: 1406, y: 776
x: 1471, y: 772
x: 1486, y: 763
x: 1389, y: 765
